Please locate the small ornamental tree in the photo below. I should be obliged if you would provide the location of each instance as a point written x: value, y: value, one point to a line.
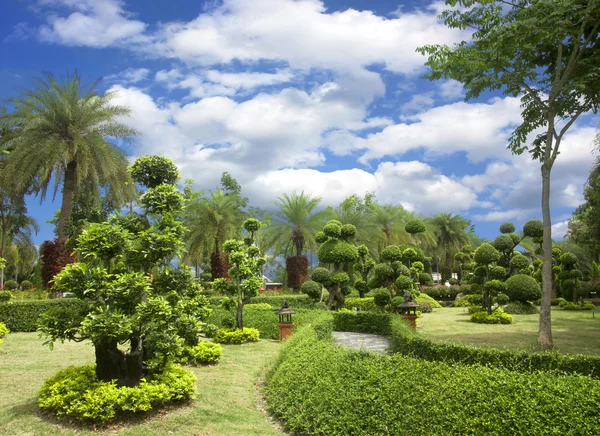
x: 464, y: 261
x: 485, y: 256
x: 151, y: 171
x: 54, y: 256
x: 139, y: 310
x: 523, y: 288
x: 363, y: 266
x: 245, y: 273
x: 397, y: 268
x: 338, y: 252
x: 569, y: 276
x: 413, y: 227
x: 509, y: 240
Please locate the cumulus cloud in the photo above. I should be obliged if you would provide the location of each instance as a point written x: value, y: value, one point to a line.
x: 129, y: 76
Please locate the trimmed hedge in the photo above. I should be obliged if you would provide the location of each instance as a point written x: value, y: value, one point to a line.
x: 232, y: 336
x: 295, y: 301
x: 366, y: 304
x: 362, y: 322
x: 317, y: 388
x: 23, y: 315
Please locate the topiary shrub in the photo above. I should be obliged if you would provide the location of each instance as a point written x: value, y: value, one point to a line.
x: 533, y: 229
x: 557, y: 301
x: 502, y: 299
x: 3, y: 331
x: 404, y: 284
x: 258, y: 306
x: 77, y: 394
x: 205, y: 353
x: 11, y: 285
x: 520, y: 308
x: 231, y: 336
x: 366, y: 304
x: 382, y: 297
x: 568, y: 305
x: 297, y: 270
x: 496, y: 317
x: 424, y: 299
x: 507, y: 227
x: 425, y: 279
x: 26, y: 284
x: 313, y: 289
x: 523, y: 288
x: 5, y: 296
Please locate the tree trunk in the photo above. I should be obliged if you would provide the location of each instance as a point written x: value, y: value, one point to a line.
x: 69, y: 185
x: 114, y: 364
x: 545, y: 328
x: 239, y: 315
x: 2, y: 250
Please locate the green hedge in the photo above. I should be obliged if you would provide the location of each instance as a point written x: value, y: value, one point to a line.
x: 362, y: 322
x: 316, y: 388
x: 364, y: 304
x: 295, y: 301
x: 22, y: 315
x: 264, y: 320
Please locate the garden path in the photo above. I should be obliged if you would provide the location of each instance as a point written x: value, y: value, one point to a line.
x: 362, y: 341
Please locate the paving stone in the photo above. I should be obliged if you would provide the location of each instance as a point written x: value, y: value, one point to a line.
x: 362, y: 341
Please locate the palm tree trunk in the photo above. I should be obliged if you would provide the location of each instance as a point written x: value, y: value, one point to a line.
x: 2, y: 250
x: 69, y: 186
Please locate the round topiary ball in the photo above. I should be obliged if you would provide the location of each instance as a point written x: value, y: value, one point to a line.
x: 480, y: 271
x: 519, y: 262
x: 348, y: 231
x: 362, y: 250
x: 495, y: 287
x: 333, y: 230
x: 401, y: 269
x: 337, y: 251
x: 503, y: 243
x: 414, y: 226
x: 486, y: 254
x: 340, y: 277
x: 321, y: 237
x: 409, y: 255
x: 404, y: 283
x: 507, y: 228
x: 533, y: 228
x: 11, y: 285
x: 383, y: 271
x: 320, y: 275
x: 312, y: 289
x: 26, y: 284
x: 251, y: 225
x: 569, y: 259
x: 515, y: 238
x: 382, y: 297
x: 523, y: 288
x: 497, y: 273
x: 391, y: 253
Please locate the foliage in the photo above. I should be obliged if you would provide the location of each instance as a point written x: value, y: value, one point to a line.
x: 3, y: 331
x: 26, y: 284
x: 415, y: 226
x: 63, y: 131
x: 362, y: 322
x: 205, y: 353
x: 567, y: 305
x: 381, y: 297
x: 366, y: 304
x: 11, y: 285
x: 297, y: 270
x: 496, y: 317
x: 313, y: 289
x: 507, y: 227
x: 237, y: 336
x: 23, y: 316
x: 520, y: 308
x: 523, y: 288
x: 54, y: 256
x: 311, y: 378
x: 486, y: 254
x: 5, y: 296
x: 152, y: 171
x: 77, y: 394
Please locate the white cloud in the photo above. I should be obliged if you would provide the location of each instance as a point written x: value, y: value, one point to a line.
x: 560, y: 229
x: 502, y: 215
x: 94, y: 23
x: 129, y: 76
x: 451, y: 90
x: 418, y: 103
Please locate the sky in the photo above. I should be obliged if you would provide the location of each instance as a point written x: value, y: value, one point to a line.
x: 321, y: 96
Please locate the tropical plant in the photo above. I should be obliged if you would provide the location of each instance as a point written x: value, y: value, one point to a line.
x: 545, y: 52
x: 451, y: 233
x: 63, y: 131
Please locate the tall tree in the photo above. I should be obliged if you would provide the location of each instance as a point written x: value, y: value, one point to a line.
x: 293, y: 230
x: 547, y: 53
x: 64, y: 126
x: 390, y: 220
x: 584, y: 225
x: 451, y: 233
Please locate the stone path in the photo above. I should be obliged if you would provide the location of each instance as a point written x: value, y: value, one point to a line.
x: 362, y: 341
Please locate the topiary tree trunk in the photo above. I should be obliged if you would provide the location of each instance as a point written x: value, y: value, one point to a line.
x: 114, y: 364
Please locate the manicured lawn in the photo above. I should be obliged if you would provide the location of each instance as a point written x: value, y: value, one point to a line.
x: 226, y: 402
x: 573, y: 331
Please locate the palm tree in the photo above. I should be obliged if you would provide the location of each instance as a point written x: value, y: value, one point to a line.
x: 293, y: 229
x: 63, y: 130
x: 451, y: 233
x: 389, y: 219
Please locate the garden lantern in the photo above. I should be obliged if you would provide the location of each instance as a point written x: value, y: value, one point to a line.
x: 408, y: 311
x: 285, y: 323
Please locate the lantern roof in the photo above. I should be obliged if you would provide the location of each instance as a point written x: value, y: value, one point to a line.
x: 409, y: 304
x: 285, y: 309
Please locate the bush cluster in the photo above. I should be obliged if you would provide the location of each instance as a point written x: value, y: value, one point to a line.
x: 11, y: 285
x: 23, y: 316
x: 496, y: 317
x: 76, y: 393
x: 362, y: 322
x: 205, y: 353
x: 316, y: 388
x: 295, y: 301
x: 5, y: 296
x: 567, y: 305
x: 446, y: 292
x: 3, y: 331
x: 518, y: 308
x: 366, y: 304
x: 231, y: 336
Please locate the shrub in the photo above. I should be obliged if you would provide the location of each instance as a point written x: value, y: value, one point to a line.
x: 507, y: 227
x: 452, y: 281
x: 11, y: 285
x: 366, y: 304
x: 26, y: 284
x: 519, y: 308
x: 533, y: 228
x: 297, y: 270
x: 3, y: 331
x: 567, y: 305
x: 258, y: 306
x: 231, y: 336
x: 523, y: 288
x: 76, y: 393
x: 496, y: 317
x: 425, y: 279
x: 313, y: 289
x: 382, y: 297
x: 502, y: 299
x: 205, y: 353
x: 423, y: 299
x: 23, y: 316
x: 316, y: 388
x: 31, y: 294
x: 362, y: 322
x: 5, y: 296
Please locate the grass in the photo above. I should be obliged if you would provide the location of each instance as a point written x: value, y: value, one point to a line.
x: 574, y: 332
x: 226, y: 401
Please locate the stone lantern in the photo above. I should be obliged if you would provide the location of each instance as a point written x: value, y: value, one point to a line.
x: 408, y: 311
x: 285, y: 323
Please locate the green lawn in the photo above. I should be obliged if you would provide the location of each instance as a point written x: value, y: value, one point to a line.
x: 573, y: 331
x: 226, y: 403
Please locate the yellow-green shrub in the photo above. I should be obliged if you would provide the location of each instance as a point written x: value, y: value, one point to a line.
x: 205, y: 353
x: 232, y: 336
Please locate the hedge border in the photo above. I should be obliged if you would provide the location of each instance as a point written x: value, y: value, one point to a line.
x: 23, y: 315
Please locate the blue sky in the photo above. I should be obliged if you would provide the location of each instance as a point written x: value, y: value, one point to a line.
x: 320, y: 96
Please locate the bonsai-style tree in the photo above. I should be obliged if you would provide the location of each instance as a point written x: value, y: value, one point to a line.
x: 413, y: 227
x: 485, y: 256
x: 363, y: 266
x: 246, y: 272
x: 569, y: 276
x: 138, y: 311
x: 464, y: 261
x: 395, y: 272
x: 337, y: 252
x: 523, y: 288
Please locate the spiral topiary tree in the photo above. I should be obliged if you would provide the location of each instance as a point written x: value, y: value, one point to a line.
x: 338, y: 252
x: 246, y: 272
x: 139, y: 311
